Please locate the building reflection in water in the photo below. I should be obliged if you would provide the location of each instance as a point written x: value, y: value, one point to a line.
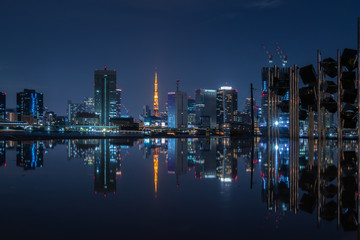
x: 105, y: 156
x: 177, y: 157
x: 226, y: 160
x: 30, y: 154
x: 210, y: 158
x: 206, y: 155
x: 275, y: 173
x: 321, y: 179
x: 105, y: 167
x: 2, y: 153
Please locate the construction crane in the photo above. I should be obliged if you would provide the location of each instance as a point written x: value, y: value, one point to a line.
x: 268, y: 53
x: 282, y: 56
x: 127, y: 110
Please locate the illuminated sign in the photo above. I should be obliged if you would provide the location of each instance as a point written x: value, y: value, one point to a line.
x: 226, y: 88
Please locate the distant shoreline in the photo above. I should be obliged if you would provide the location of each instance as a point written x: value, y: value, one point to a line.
x: 71, y: 135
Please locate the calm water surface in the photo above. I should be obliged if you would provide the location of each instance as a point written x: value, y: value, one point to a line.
x: 175, y: 189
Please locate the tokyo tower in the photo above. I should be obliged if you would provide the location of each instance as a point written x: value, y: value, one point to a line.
x: 156, y: 97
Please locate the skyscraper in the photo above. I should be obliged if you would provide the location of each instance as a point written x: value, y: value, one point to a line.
x: 146, y: 112
x: 118, y: 102
x: 177, y: 109
x: 205, y: 107
x: 72, y: 110
x: 105, y: 95
x: 247, y: 110
x: 89, y: 105
x: 191, y: 112
x: 29, y: 105
x: 2, y: 105
x: 226, y: 105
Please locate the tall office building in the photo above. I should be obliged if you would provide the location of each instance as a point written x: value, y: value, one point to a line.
x: 191, y: 112
x: 205, y: 107
x: 11, y: 115
x: 118, y: 102
x: 247, y: 108
x: 105, y: 95
x: 2, y: 105
x: 146, y: 112
x: 177, y: 109
x: 89, y: 104
x: 226, y: 105
x: 72, y: 110
x: 247, y: 111
x: 29, y: 105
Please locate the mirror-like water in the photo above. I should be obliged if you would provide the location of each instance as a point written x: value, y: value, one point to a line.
x: 177, y: 189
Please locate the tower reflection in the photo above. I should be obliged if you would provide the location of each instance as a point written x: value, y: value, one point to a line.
x: 156, y: 167
x: 105, y: 156
x: 316, y: 178
x: 105, y: 167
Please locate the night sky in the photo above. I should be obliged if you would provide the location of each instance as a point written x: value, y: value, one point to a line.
x: 54, y: 46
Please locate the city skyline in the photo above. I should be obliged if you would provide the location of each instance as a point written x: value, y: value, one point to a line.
x: 203, y: 46
x: 188, y: 119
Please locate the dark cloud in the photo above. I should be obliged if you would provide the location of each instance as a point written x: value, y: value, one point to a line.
x: 263, y: 4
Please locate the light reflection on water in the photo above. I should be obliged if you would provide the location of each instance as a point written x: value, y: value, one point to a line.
x: 258, y: 188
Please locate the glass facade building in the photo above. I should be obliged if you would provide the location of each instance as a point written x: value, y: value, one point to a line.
x: 118, y: 102
x: 89, y: 104
x: 72, y: 110
x: 177, y: 110
x: 105, y: 95
x: 171, y: 110
x: 30, y: 103
x: 2, y: 105
x: 205, y: 108
x: 226, y: 105
x: 191, y: 112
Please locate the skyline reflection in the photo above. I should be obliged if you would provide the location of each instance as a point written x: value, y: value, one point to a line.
x: 288, y: 175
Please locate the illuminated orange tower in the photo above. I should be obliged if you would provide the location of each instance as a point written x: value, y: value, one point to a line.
x: 156, y: 97
x: 156, y: 166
